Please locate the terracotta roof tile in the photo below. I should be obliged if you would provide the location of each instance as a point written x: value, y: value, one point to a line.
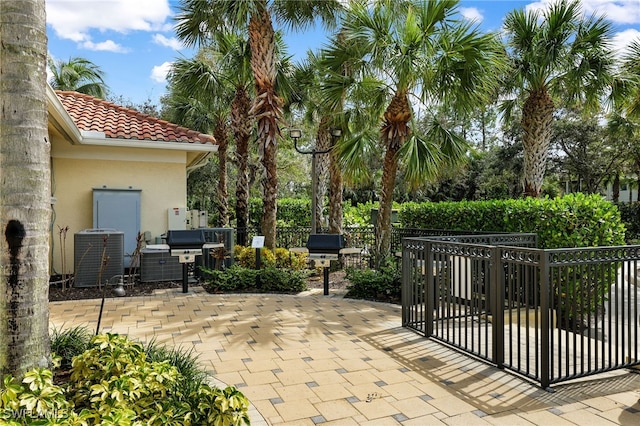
x: 93, y: 114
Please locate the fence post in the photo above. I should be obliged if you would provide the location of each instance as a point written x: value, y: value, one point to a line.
x: 406, y: 292
x: 429, y: 291
x: 496, y: 301
x: 545, y: 310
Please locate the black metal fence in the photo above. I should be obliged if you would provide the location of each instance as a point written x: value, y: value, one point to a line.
x: 288, y: 237
x: 548, y: 315
x: 355, y: 236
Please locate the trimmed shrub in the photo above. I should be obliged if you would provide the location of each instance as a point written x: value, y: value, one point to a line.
x: 240, y: 279
x: 246, y: 257
x: 381, y: 284
x: 281, y: 258
x: 575, y: 220
x: 291, y: 212
x: 630, y: 214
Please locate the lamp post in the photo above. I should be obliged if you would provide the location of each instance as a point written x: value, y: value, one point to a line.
x: 296, y: 134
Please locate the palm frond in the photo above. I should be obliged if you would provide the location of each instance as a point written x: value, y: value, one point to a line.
x: 354, y: 152
x: 421, y: 159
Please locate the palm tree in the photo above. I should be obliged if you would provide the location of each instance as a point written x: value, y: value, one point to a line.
x: 79, y: 75
x: 556, y: 54
x: 220, y: 77
x: 409, y: 55
x: 25, y: 204
x: 624, y: 122
x: 228, y: 67
x: 626, y: 92
x: 199, y: 20
x: 308, y: 80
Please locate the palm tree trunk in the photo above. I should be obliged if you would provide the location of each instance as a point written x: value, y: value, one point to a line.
x: 25, y: 206
x: 616, y: 187
x: 222, y: 194
x: 335, y: 195
x: 323, y: 143
x: 394, y: 132
x: 336, y: 182
x: 383, y: 224
x: 537, y: 122
x: 267, y: 109
x: 241, y: 125
x: 637, y: 181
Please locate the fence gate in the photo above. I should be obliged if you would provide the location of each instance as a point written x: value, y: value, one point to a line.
x: 548, y: 315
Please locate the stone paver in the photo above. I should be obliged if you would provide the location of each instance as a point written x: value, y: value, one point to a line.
x: 314, y: 359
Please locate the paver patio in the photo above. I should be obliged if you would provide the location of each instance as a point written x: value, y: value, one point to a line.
x: 313, y: 359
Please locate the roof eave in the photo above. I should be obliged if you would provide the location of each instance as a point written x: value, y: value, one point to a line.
x: 95, y: 140
x: 61, y: 118
x: 199, y: 161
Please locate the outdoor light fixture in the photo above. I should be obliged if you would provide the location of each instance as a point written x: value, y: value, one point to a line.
x: 296, y: 134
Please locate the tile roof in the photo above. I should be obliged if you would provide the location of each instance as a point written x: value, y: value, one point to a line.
x: 116, y: 122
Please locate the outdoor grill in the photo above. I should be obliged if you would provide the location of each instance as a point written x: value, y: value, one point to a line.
x: 186, y: 245
x: 323, y: 248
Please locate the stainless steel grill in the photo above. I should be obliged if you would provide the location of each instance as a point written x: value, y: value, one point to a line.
x: 186, y: 245
x: 323, y: 248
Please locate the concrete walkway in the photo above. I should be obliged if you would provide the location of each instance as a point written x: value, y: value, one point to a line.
x: 313, y: 359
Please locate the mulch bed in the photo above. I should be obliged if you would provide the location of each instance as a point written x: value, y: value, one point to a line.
x: 337, y: 280
x: 56, y: 293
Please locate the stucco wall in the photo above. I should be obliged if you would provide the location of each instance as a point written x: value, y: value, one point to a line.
x: 76, y: 170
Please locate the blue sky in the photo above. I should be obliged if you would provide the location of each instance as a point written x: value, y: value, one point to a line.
x: 134, y: 43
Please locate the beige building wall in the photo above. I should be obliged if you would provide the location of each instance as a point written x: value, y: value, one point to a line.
x: 77, y: 169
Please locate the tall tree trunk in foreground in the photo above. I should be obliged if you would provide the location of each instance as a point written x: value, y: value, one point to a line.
x: 267, y: 110
x: 323, y: 143
x: 336, y: 186
x: 24, y: 188
x: 241, y: 126
x: 537, y: 124
x: 221, y: 134
x: 393, y: 134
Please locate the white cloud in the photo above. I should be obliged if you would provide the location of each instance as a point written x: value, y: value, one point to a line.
x: 472, y: 14
x: 616, y: 11
x: 159, y: 72
x: 172, y: 42
x: 76, y: 19
x: 623, y: 39
x: 621, y: 13
x: 104, y: 46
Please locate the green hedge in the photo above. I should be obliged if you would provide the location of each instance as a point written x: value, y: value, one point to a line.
x: 575, y: 220
x: 240, y: 279
x: 630, y: 214
x: 291, y: 212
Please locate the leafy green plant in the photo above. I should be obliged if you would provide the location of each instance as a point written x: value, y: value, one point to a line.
x: 630, y: 215
x: 290, y: 260
x: 185, y: 361
x: 282, y: 280
x: 291, y: 212
x: 575, y: 220
x: 246, y: 257
x: 69, y: 342
x: 381, y: 284
x: 359, y: 214
x: 115, y: 382
x: 235, y: 278
x: 220, y: 406
x: 238, y: 279
x: 34, y: 402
